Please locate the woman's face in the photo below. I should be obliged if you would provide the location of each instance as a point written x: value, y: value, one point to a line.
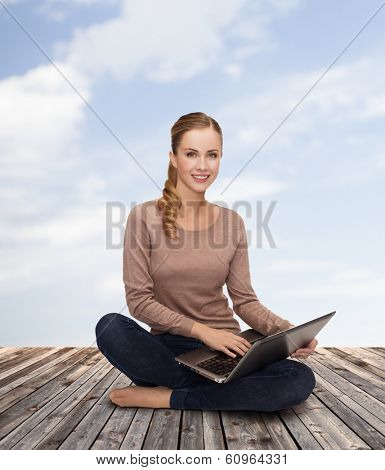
x: 198, y: 154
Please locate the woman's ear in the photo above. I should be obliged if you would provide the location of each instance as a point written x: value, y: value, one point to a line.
x: 172, y: 159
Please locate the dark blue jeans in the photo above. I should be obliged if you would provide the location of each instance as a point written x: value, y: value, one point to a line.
x: 148, y: 360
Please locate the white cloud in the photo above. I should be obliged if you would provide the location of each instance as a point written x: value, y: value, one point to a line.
x: 87, y: 189
x: 67, y: 246
x: 248, y: 187
x: 59, y: 10
x: 11, y: 2
x: 110, y: 285
x: 352, y: 274
x: 353, y: 281
x: 300, y: 265
x: 284, y: 6
x: 358, y: 286
x: 153, y: 39
x: 171, y: 40
x: 319, y: 139
x: 81, y: 2
x: 40, y: 116
x: 233, y: 70
x: 348, y: 93
x: 16, y: 204
x: 71, y: 227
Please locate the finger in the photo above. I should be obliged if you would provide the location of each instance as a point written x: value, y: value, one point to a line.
x: 228, y: 352
x: 300, y: 352
x: 241, y: 348
x: 238, y: 349
x: 242, y: 342
x: 245, y: 342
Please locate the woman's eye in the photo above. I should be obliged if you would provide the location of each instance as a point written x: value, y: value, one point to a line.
x: 191, y: 153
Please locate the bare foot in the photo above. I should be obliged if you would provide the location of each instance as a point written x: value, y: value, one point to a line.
x: 143, y: 397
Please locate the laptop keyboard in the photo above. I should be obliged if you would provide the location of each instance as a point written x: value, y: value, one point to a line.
x: 220, y: 364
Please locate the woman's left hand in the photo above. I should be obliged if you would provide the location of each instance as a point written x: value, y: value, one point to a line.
x: 304, y: 352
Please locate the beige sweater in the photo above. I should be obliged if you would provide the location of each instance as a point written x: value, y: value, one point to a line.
x: 171, y: 284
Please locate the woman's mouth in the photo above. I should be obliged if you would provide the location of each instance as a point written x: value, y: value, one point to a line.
x: 199, y: 179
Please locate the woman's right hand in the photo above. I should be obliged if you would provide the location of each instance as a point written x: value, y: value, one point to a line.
x: 225, y: 341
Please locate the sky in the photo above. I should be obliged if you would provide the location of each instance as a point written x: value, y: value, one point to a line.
x: 89, y: 91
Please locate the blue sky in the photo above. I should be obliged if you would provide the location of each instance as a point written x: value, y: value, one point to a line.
x: 141, y: 65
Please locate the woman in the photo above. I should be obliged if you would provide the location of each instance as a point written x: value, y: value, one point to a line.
x: 178, y: 253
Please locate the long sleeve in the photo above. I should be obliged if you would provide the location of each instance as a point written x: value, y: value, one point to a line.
x: 138, y: 283
x: 245, y: 302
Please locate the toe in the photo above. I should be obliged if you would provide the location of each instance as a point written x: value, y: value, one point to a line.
x: 113, y: 395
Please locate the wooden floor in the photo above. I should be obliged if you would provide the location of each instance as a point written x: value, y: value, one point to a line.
x: 57, y: 398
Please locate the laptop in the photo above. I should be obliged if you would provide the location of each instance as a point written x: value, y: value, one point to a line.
x: 220, y: 367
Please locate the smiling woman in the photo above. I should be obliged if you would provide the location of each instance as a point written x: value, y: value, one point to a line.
x: 193, y: 167
x: 177, y: 290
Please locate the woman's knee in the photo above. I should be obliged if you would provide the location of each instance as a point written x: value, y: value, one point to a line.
x: 105, y: 322
x: 109, y: 326
x: 304, y: 381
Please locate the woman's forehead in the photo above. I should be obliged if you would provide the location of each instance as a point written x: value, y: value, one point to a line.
x: 201, y: 139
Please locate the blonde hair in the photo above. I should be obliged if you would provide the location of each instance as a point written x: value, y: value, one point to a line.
x: 171, y: 200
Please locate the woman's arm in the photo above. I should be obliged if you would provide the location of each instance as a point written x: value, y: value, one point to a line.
x: 138, y: 283
x: 245, y: 302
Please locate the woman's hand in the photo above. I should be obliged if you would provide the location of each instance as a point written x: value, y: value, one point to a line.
x: 225, y: 341
x: 304, y: 352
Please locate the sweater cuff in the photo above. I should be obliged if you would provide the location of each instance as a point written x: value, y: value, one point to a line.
x: 184, y: 328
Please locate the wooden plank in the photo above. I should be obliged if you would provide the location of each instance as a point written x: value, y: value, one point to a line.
x: 300, y: 433
x: 246, y: 430
x: 112, y: 435
x: 359, y: 361
x: 163, y: 431
x: 7, y: 350
x: 14, y: 380
x: 352, y: 414
x: 354, y: 398
x: 376, y: 350
x: 191, y: 432
x: 30, y: 433
x: 212, y: 430
x: 41, y: 389
x: 28, y: 362
x: 18, y: 357
x: 278, y: 432
x: 12, y: 352
x: 363, y: 379
x: 87, y: 420
x: 12, y: 396
x: 326, y: 427
x: 69, y: 434
x: 377, y: 362
x: 136, y: 433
